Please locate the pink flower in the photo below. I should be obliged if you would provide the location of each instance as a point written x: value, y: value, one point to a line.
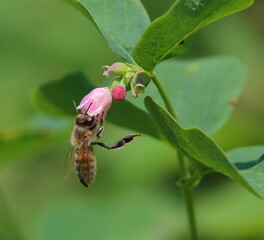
x: 97, y: 102
x: 119, y: 93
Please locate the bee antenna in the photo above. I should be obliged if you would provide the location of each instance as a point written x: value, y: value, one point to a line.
x: 88, y: 108
x: 75, y: 106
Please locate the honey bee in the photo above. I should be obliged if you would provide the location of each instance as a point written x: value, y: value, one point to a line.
x: 84, y: 135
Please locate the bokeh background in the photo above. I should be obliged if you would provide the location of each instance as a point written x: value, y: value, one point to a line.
x: 134, y: 195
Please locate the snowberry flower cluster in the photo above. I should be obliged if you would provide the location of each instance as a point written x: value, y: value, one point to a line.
x: 129, y: 77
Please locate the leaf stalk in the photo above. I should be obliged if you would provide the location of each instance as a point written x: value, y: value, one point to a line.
x: 163, y: 93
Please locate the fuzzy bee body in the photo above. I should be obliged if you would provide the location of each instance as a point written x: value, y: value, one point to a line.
x: 84, y: 136
x: 85, y: 165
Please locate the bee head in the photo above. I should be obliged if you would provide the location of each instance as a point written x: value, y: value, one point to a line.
x: 84, y: 120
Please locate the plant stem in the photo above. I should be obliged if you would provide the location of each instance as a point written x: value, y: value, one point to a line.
x: 187, y: 193
x: 163, y: 94
x: 183, y: 168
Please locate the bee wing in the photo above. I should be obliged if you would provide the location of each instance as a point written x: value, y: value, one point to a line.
x: 69, y: 162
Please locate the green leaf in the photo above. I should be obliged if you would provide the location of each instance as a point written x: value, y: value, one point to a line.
x: 197, y: 145
x: 121, y: 22
x: 182, y: 49
x: 126, y: 114
x: 56, y: 98
x: 250, y: 162
x: 203, y: 91
x: 184, y: 18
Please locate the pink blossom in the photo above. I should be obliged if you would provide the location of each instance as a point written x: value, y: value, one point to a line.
x: 97, y: 102
x: 119, y: 93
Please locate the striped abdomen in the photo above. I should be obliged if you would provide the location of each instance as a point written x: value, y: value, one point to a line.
x: 85, y: 164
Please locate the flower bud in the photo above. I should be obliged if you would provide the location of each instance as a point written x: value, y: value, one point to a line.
x: 97, y: 102
x: 117, y: 68
x: 140, y: 81
x: 119, y: 93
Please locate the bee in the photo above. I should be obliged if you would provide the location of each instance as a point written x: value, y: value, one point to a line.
x: 84, y: 135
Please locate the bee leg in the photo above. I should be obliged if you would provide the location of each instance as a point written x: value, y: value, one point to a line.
x: 101, y: 128
x: 119, y: 144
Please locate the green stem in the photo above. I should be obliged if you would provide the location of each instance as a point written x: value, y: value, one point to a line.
x: 187, y: 193
x: 163, y: 94
x: 184, y: 170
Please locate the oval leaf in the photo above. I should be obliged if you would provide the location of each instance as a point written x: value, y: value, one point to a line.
x: 185, y: 17
x: 56, y: 98
x: 196, y: 145
x: 250, y: 162
x: 203, y: 91
x: 121, y: 22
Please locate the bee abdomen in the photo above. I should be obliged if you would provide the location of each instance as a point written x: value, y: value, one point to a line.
x: 86, y: 171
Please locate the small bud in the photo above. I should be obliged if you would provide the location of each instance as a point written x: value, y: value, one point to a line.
x: 97, y: 102
x: 117, y: 68
x: 140, y: 81
x: 119, y: 93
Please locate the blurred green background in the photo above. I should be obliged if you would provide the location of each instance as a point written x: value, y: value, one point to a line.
x: 134, y: 195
